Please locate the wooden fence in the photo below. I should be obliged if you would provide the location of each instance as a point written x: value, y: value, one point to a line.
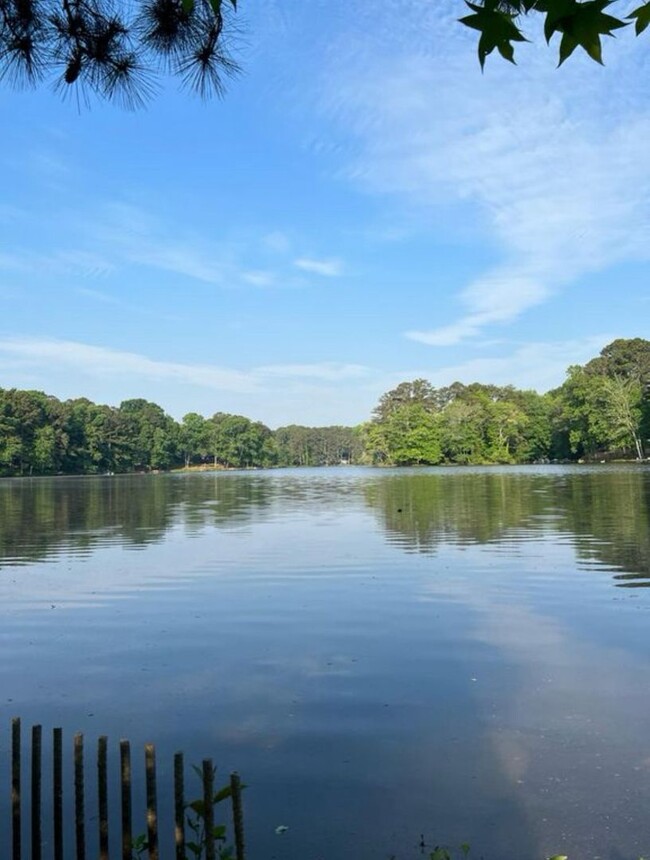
x: 129, y: 845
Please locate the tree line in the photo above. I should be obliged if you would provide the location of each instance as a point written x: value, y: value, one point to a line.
x: 41, y: 435
x: 601, y: 410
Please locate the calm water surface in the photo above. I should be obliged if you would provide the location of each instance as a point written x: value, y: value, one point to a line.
x: 463, y: 653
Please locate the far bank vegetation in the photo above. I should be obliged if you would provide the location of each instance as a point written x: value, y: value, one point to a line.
x: 602, y: 411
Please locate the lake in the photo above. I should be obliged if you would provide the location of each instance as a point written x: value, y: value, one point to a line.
x: 462, y: 653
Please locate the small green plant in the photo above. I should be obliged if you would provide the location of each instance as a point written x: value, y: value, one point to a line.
x: 195, y: 818
x: 442, y: 853
x: 196, y: 821
x: 139, y: 846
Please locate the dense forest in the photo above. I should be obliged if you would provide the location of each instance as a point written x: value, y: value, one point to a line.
x: 602, y: 410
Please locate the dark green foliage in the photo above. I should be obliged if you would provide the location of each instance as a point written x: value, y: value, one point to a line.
x: 604, y: 407
x: 601, y: 410
x: 195, y: 820
x: 238, y: 442
x: 110, y: 49
x: 577, y: 24
x: 40, y: 435
x: 418, y: 424
x: 317, y: 446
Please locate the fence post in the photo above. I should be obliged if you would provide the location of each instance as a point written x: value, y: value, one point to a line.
x: 37, y: 735
x: 57, y: 791
x: 79, y: 803
x: 35, y: 813
x: 102, y: 795
x: 152, y: 801
x: 15, y: 789
x: 237, y: 816
x: 127, y: 824
x: 179, y: 806
x: 208, y: 808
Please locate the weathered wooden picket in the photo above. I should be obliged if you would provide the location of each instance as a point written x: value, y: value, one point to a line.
x: 127, y: 841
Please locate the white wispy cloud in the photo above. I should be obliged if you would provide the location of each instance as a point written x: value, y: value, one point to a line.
x: 76, y: 262
x: 99, y: 361
x: 331, y: 371
x: 259, y: 278
x: 97, y: 295
x: 132, y: 235
x: 277, y: 241
x: 537, y: 365
x: 310, y: 393
x: 327, y: 268
x: 551, y: 160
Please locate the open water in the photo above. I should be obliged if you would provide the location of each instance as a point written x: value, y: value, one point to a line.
x: 458, y: 653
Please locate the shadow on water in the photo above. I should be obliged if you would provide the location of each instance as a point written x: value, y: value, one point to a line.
x: 604, y: 512
x: 41, y: 517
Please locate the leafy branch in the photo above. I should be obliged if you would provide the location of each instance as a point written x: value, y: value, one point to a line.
x: 197, y: 820
x: 578, y: 24
x: 111, y: 49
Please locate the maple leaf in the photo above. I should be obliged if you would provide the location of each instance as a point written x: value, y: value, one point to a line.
x: 642, y: 16
x: 497, y: 28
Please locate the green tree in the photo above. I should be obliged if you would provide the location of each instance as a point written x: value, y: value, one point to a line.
x: 581, y: 412
x: 317, y: 446
x: 624, y: 398
x: 238, y: 442
x: 194, y: 438
x: 463, y: 432
x: 505, y: 427
x: 407, y: 393
x: 151, y: 434
x: 628, y: 359
x: 31, y: 435
x: 409, y: 435
x: 604, y: 407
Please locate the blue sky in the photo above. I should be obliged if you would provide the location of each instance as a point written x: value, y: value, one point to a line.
x: 364, y: 207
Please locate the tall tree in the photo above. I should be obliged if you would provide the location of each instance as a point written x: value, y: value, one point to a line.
x: 194, y: 437
x: 151, y: 434
x: 419, y: 391
x: 624, y: 398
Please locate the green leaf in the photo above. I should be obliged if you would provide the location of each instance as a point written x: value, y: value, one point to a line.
x: 197, y: 806
x: 223, y: 794
x: 558, y: 857
x: 219, y: 831
x: 188, y: 6
x: 195, y: 848
x: 464, y: 847
x: 642, y: 16
x: 581, y: 24
x: 567, y: 47
x: 497, y: 29
x: 216, y: 7
x: 557, y: 13
x: 507, y: 51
